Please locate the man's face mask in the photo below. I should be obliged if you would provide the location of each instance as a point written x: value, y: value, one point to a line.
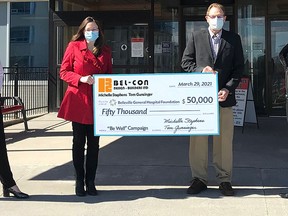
x: 216, y: 23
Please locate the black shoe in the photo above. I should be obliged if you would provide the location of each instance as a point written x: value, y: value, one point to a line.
x: 91, y: 190
x: 284, y: 195
x: 196, y: 187
x: 226, y: 189
x: 17, y: 194
x: 79, y: 188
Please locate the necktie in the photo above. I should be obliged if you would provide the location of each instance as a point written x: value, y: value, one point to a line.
x: 215, y: 43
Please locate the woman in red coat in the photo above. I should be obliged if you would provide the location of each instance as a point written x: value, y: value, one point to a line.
x: 85, y: 55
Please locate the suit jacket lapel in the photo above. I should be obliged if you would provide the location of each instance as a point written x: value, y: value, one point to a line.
x: 222, y: 43
x: 208, y: 44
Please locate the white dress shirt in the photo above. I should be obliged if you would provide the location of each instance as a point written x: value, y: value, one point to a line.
x: 215, y: 43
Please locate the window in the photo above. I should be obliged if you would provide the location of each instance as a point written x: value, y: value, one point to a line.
x: 22, y: 8
x: 21, y: 34
x: 29, y: 32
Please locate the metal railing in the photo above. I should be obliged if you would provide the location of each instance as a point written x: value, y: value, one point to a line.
x: 31, y: 85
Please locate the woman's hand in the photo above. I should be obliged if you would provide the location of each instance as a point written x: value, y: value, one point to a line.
x: 87, y: 79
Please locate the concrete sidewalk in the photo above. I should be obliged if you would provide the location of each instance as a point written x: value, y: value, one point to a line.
x: 145, y: 176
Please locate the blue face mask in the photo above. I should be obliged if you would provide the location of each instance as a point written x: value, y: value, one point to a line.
x: 216, y: 23
x: 91, y: 35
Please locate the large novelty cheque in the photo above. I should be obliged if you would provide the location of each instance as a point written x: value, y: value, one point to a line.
x: 156, y: 104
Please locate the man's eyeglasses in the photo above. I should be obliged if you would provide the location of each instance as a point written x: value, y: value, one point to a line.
x: 213, y: 17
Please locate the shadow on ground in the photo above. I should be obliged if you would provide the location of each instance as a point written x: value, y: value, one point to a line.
x: 260, y: 160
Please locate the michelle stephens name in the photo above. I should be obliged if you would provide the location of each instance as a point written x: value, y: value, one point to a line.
x: 192, y: 121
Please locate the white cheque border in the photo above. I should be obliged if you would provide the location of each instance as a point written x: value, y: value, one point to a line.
x: 162, y: 104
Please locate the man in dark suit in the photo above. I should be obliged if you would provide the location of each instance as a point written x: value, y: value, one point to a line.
x: 215, y: 51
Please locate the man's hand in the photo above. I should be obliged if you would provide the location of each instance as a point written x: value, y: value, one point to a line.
x: 208, y: 69
x: 223, y: 94
x: 87, y: 79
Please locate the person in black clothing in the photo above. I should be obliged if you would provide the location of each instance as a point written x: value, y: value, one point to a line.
x: 283, y: 55
x: 6, y: 176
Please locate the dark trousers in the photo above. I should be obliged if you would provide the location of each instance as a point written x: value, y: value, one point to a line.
x: 6, y: 175
x: 81, y: 132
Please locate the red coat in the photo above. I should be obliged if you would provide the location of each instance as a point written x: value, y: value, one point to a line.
x: 78, y: 61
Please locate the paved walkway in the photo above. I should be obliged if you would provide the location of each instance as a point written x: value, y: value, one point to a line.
x: 145, y: 176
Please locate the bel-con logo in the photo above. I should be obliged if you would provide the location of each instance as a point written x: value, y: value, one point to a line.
x: 104, y: 85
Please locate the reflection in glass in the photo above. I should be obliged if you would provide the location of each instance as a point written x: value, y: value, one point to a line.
x: 251, y: 27
x: 166, y: 52
x: 166, y: 41
x: 279, y: 35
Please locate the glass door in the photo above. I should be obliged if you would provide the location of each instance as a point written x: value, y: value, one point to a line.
x: 278, y: 85
x: 130, y: 47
